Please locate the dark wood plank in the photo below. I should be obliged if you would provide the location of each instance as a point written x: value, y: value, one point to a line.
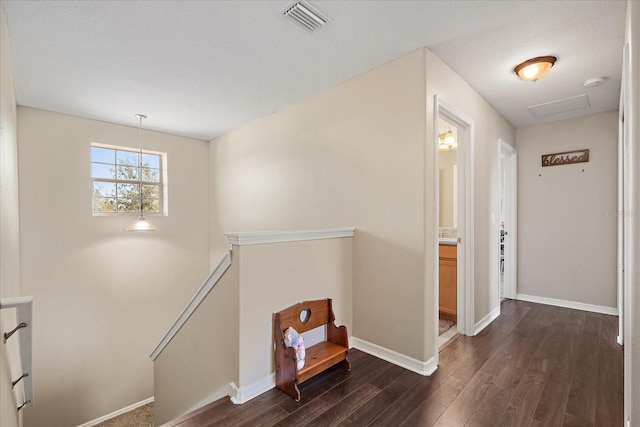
x: 610, y: 387
x: 357, y: 379
x: 267, y: 418
x: 432, y: 408
x: 346, y: 406
x: 458, y: 413
x: 581, y: 406
x: 251, y: 410
x: 305, y: 413
x: 497, y: 397
x: 523, y: 402
x: 551, y: 407
x: 199, y: 416
x: 387, y: 397
x: 400, y: 409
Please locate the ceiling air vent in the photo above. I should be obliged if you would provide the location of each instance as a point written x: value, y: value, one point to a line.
x: 306, y: 15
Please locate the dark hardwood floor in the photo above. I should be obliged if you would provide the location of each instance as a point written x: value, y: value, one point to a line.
x: 536, y: 365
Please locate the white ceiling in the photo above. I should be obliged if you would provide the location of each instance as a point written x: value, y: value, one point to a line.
x: 203, y: 68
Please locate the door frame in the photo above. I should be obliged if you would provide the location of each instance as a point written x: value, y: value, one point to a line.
x: 465, y: 261
x: 623, y: 223
x: 625, y: 227
x: 510, y: 194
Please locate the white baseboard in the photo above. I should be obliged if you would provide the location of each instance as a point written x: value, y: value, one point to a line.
x: 241, y: 395
x: 415, y: 365
x: 227, y: 390
x: 569, y: 304
x: 244, y: 394
x: 116, y: 413
x: 493, y: 315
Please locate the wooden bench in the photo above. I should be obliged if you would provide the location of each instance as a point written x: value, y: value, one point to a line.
x: 319, y: 357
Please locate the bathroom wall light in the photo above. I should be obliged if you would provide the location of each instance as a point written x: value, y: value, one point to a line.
x: 447, y: 141
x: 534, y: 69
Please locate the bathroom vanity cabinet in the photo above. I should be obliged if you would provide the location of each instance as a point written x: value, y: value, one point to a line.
x: 448, y: 281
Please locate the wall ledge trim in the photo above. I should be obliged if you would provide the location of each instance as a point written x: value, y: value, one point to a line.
x: 486, y: 321
x: 613, y: 311
x: 414, y: 365
x: 205, y: 288
x: 263, y: 237
x: 116, y: 413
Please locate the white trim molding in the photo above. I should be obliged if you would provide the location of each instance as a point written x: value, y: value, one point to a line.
x: 569, y: 304
x: 415, y: 365
x: 116, y: 413
x: 209, y: 283
x: 486, y: 320
x: 244, y: 394
x: 262, y: 237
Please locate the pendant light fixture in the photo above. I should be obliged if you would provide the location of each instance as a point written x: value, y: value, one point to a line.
x: 141, y: 223
x: 534, y: 69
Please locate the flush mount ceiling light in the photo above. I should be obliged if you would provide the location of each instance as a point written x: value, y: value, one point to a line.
x: 141, y: 223
x: 534, y: 69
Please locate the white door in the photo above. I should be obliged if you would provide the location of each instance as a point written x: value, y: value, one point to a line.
x: 508, y: 236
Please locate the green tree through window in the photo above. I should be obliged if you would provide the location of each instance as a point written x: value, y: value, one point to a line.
x: 117, y: 174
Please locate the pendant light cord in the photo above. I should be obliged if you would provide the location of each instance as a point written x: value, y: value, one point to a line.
x: 140, y: 117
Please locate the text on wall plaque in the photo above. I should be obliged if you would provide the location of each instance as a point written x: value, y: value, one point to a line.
x: 565, y: 158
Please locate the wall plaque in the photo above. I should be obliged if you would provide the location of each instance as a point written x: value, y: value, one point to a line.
x: 565, y: 158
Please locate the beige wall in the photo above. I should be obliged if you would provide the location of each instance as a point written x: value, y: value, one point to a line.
x: 9, y: 211
x: 276, y: 276
x: 201, y: 361
x: 103, y: 297
x: 354, y: 155
x: 489, y: 126
x: 9, y: 216
x: 349, y: 156
x: 567, y: 214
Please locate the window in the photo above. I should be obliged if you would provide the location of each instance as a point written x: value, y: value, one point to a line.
x: 117, y: 173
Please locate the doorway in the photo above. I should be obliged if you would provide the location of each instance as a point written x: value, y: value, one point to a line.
x: 447, y: 230
x: 464, y: 219
x: 508, y: 221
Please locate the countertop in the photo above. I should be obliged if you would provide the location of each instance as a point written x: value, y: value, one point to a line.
x: 453, y: 241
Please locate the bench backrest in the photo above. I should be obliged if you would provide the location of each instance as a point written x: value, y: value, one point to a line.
x: 318, y: 313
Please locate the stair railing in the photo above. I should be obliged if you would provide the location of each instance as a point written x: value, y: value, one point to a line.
x: 203, y: 291
x: 24, y: 310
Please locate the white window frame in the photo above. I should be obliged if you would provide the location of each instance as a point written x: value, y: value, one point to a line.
x: 163, y: 201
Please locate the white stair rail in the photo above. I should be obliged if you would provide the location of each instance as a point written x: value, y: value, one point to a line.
x: 24, y: 316
x: 203, y: 291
